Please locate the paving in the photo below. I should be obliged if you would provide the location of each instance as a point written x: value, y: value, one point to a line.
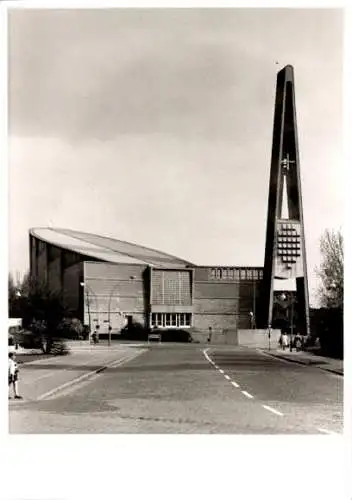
x: 41, y: 375
x: 309, y: 359
x: 182, y: 389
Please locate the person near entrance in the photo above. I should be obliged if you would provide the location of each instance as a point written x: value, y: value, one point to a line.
x: 210, y: 334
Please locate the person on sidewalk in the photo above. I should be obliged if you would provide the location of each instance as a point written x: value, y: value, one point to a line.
x: 94, y: 337
x: 298, y: 342
x: 13, y: 374
x: 285, y: 341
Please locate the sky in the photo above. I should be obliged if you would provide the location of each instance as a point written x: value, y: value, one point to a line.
x: 155, y: 126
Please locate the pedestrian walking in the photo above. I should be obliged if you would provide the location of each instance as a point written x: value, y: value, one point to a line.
x: 298, y: 342
x: 210, y: 334
x: 13, y: 374
x: 94, y: 337
x: 285, y: 341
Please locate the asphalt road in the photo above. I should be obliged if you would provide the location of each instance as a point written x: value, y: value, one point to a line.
x: 190, y: 389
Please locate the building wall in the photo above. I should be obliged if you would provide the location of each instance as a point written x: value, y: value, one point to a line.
x: 42, y: 268
x: 114, y: 291
x: 54, y: 275
x: 60, y: 269
x: 33, y: 268
x: 216, y: 297
x: 72, y: 276
x: 224, y: 297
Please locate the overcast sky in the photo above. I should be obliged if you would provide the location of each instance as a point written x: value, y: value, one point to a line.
x: 155, y: 126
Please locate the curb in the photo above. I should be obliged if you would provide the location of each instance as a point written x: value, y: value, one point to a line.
x: 332, y: 370
x: 86, y: 376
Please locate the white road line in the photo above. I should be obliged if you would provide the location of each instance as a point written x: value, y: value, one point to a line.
x: 273, y: 410
x: 221, y: 371
x: 216, y: 366
x: 205, y: 352
x: 247, y: 394
x: 227, y: 377
x: 207, y: 357
x: 234, y: 384
x: 325, y: 431
x: 87, y: 375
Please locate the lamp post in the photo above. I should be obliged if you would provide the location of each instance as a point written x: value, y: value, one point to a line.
x: 109, y: 310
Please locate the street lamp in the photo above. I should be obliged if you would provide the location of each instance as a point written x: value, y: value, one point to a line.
x: 109, y: 309
x: 269, y: 335
x: 254, y: 303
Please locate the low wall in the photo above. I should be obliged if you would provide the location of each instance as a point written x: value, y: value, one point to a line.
x: 258, y: 338
x: 222, y: 337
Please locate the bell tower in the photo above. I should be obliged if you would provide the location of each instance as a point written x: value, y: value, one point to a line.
x: 285, y: 285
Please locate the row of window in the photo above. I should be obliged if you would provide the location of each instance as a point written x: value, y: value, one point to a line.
x: 219, y: 273
x: 172, y: 320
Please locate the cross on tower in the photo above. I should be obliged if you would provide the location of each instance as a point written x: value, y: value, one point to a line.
x: 285, y: 163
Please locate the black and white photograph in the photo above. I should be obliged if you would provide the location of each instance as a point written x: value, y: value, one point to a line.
x: 176, y: 222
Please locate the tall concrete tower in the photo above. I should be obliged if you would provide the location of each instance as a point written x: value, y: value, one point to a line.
x: 285, y: 286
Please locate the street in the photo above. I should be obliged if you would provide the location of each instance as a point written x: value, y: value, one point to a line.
x: 186, y: 389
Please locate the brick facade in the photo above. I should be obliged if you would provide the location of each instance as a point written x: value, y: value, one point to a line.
x: 103, y: 293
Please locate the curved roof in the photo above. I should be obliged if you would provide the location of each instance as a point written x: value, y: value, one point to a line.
x: 106, y: 249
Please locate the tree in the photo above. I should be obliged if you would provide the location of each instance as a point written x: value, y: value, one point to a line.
x: 41, y: 309
x: 330, y: 271
x: 331, y: 289
x: 12, y: 297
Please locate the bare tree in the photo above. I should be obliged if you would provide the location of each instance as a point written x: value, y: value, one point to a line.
x: 330, y: 271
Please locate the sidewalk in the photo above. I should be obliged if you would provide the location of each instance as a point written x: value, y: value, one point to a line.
x: 45, y: 377
x: 308, y: 359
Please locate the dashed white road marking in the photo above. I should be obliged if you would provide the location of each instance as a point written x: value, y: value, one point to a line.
x: 206, y: 355
x: 325, y: 431
x: 247, y: 394
x: 222, y: 371
x: 277, y: 412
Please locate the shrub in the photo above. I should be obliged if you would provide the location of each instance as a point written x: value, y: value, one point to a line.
x: 70, y: 328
